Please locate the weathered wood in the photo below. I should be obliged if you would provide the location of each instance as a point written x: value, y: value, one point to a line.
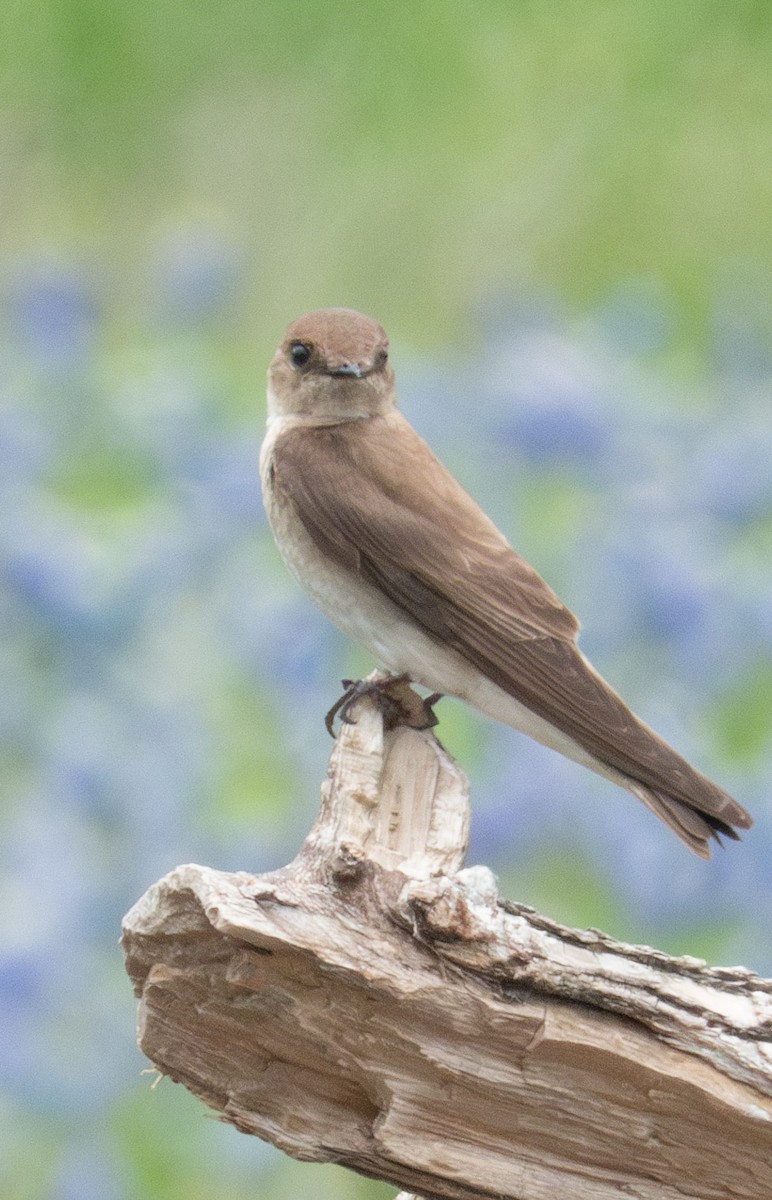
x: 375, y: 1005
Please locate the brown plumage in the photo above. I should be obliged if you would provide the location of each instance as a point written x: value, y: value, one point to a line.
x: 357, y: 492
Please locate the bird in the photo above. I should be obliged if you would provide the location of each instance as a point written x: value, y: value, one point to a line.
x: 401, y: 558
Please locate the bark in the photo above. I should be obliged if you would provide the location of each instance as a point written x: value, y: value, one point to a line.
x: 376, y: 1005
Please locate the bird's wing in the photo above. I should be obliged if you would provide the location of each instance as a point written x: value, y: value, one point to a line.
x: 375, y: 500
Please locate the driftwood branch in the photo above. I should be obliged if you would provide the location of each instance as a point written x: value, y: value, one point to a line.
x: 375, y: 1005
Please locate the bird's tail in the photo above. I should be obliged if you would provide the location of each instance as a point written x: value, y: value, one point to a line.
x: 694, y: 827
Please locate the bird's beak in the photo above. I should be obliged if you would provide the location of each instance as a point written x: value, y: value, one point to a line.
x: 349, y: 368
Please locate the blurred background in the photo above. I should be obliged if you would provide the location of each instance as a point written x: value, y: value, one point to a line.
x: 562, y: 213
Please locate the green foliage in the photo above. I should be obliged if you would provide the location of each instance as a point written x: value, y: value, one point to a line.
x: 256, y: 785
x: 742, y: 720
x: 103, y: 482
x: 403, y: 161
x: 571, y: 891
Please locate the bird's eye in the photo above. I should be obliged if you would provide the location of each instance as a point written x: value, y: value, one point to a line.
x: 381, y: 357
x: 300, y: 353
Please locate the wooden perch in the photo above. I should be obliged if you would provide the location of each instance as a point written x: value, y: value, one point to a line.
x: 373, y: 1004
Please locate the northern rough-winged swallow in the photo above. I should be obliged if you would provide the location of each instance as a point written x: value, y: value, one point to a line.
x: 400, y: 557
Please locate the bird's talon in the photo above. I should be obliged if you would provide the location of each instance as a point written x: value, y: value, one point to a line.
x: 396, y: 700
x: 341, y: 704
x: 431, y: 717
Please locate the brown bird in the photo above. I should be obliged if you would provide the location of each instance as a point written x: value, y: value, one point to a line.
x: 400, y: 557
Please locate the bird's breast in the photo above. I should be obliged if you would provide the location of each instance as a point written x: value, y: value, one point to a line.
x: 350, y: 602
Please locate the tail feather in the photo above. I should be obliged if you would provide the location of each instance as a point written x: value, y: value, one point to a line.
x: 693, y: 826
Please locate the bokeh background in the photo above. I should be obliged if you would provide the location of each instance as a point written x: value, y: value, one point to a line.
x: 563, y: 214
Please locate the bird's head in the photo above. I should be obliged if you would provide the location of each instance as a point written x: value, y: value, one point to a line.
x: 332, y: 365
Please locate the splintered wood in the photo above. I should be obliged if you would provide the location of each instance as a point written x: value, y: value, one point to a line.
x: 375, y: 1005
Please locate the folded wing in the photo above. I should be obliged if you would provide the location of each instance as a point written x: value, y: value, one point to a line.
x: 375, y: 500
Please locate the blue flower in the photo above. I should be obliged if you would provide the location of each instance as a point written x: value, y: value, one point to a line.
x: 54, y: 312
x: 552, y: 401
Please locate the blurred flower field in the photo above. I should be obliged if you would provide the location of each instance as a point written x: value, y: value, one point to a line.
x: 165, y: 681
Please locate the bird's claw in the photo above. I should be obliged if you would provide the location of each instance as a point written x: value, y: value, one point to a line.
x: 341, y: 705
x: 395, y: 698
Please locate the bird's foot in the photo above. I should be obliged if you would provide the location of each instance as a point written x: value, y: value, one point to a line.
x: 396, y: 700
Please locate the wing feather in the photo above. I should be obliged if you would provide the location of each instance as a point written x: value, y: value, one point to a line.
x: 374, y: 499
